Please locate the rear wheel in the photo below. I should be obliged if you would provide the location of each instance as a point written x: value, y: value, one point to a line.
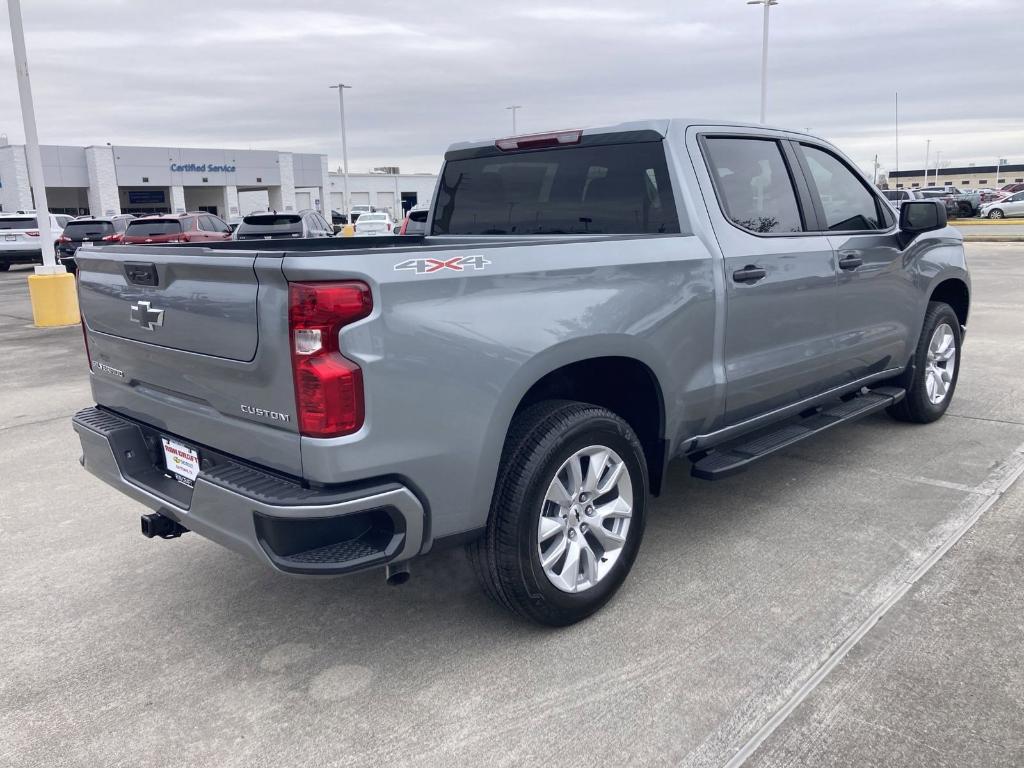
x: 931, y: 381
x: 567, y: 515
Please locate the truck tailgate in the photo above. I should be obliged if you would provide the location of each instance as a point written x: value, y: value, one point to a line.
x: 212, y: 301
x: 195, y: 343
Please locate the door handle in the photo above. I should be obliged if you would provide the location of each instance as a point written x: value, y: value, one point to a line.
x: 749, y: 274
x: 850, y: 260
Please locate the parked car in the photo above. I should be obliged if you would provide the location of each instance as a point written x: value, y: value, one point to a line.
x: 966, y: 204
x: 335, y: 407
x: 233, y: 222
x: 1014, y: 187
x: 359, y: 210
x: 989, y: 195
x: 897, y: 197
x: 415, y: 222
x: 63, y: 219
x: 197, y: 227
x: 19, y: 238
x: 339, y: 219
x: 1011, y: 206
x: 86, y: 233
x: 378, y: 223
x: 270, y: 225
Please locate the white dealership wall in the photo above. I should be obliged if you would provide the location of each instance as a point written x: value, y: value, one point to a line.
x: 105, y: 180
x: 383, y: 190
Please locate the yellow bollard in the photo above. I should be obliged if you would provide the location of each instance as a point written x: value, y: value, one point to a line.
x: 54, y: 300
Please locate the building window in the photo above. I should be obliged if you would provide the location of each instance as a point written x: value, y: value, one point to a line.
x: 1000, y: 181
x: 915, y: 186
x: 1018, y: 181
x: 145, y: 179
x: 982, y: 181
x: 964, y: 182
x: 899, y: 186
x: 259, y: 180
x: 205, y: 180
x: 931, y: 183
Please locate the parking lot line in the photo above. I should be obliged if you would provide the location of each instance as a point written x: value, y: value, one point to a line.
x: 989, y: 491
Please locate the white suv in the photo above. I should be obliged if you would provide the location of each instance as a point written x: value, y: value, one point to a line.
x: 19, y: 238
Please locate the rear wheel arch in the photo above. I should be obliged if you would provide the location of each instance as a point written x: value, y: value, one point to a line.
x: 625, y: 386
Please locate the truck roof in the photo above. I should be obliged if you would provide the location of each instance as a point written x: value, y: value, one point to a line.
x: 658, y: 125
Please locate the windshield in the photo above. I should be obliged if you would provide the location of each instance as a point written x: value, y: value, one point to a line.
x: 602, y: 189
x: 16, y: 222
x: 77, y: 230
x: 153, y: 227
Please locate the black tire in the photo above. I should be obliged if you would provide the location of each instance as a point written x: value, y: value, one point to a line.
x: 995, y: 213
x: 917, y: 407
x: 506, y: 558
x: 964, y: 210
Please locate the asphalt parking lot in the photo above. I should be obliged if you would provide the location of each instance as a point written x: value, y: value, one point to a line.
x: 117, y: 650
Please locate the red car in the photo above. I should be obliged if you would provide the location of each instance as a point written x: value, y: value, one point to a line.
x: 1013, y: 188
x: 196, y: 227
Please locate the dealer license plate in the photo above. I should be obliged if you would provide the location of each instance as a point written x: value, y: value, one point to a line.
x: 181, y: 461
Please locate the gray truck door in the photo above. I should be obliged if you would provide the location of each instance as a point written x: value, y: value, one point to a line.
x: 878, y: 308
x: 780, y: 276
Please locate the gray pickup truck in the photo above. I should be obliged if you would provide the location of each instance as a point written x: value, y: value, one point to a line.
x: 584, y: 307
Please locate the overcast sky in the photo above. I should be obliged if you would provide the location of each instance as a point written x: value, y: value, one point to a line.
x: 234, y: 73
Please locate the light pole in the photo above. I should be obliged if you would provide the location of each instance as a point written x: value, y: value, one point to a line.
x: 344, y: 152
x: 35, y: 162
x: 938, y: 159
x: 927, y: 151
x: 995, y: 181
x: 514, y: 108
x: 764, y: 54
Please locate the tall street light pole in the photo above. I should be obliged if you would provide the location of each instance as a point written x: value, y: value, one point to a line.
x: 514, y: 108
x: 764, y: 54
x: 35, y: 161
x: 344, y: 152
x: 927, y: 152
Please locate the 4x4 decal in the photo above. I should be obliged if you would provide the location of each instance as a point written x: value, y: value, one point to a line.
x: 428, y: 266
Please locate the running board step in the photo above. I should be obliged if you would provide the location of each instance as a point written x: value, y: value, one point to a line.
x: 732, y: 458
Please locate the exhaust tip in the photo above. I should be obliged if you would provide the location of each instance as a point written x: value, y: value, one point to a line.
x: 397, y: 574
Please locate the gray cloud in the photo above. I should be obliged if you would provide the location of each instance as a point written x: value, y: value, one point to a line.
x: 239, y: 74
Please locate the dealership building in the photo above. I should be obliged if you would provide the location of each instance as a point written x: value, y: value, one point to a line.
x: 106, y: 180
x: 970, y: 176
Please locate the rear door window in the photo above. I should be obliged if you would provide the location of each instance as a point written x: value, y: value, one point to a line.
x: 848, y: 204
x: 754, y: 184
x: 603, y: 189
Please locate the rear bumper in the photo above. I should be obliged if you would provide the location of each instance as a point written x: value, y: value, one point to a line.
x: 20, y: 255
x: 257, y: 513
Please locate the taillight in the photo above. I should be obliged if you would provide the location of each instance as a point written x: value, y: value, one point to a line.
x: 115, y: 238
x: 63, y: 239
x: 32, y: 232
x: 328, y: 387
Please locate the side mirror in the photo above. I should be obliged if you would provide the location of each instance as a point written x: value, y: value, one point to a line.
x: 917, y: 216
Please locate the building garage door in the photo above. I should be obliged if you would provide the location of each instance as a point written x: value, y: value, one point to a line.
x: 386, y: 201
x: 359, y: 198
x: 302, y: 201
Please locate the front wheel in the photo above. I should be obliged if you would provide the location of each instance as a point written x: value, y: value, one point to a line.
x: 567, y: 514
x: 995, y: 213
x: 931, y: 381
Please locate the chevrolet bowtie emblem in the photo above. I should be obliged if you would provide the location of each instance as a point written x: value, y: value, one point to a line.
x: 146, y: 316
